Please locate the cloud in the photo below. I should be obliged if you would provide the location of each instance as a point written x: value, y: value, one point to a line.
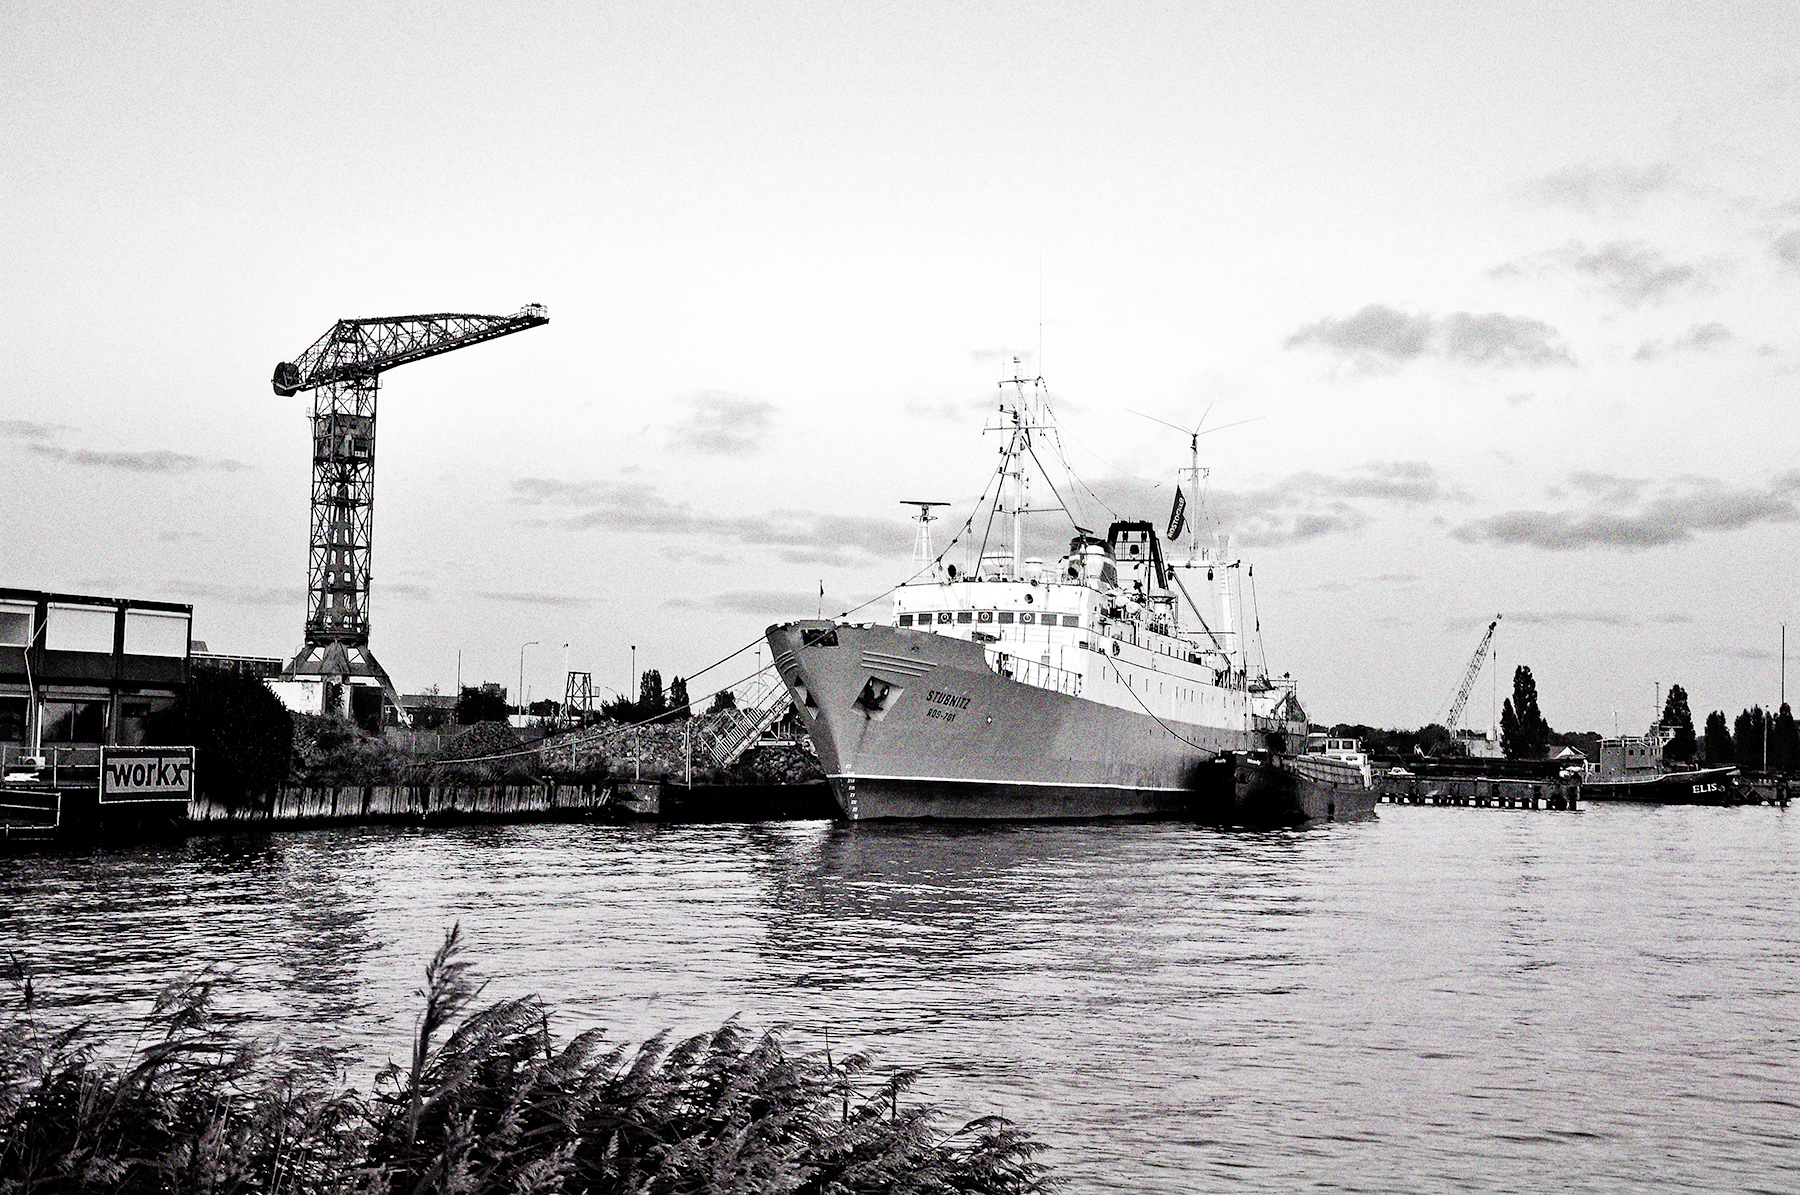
x: 1379, y: 337
x: 1701, y: 338
x: 1410, y: 483
x: 723, y: 424
x: 1560, y: 618
x: 966, y: 409
x: 1633, y: 272
x: 1002, y: 356
x: 160, y: 461
x: 1608, y: 489
x: 1755, y: 655
x: 766, y: 602
x: 560, y: 600
x: 1294, y: 509
x: 1786, y: 248
x: 637, y: 507
x: 1684, y: 508
x: 292, y: 596
x: 1594, y: 185
x: 25, y: 429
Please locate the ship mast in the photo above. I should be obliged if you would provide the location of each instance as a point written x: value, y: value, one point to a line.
x: 1018, y: 483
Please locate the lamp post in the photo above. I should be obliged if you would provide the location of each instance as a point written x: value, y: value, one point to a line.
x: 631, y: 693
x: 522, y: 648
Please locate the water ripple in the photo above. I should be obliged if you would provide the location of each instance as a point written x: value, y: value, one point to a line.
x: 1438, y: 1000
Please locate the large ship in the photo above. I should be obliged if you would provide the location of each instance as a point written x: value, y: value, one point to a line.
x: 1030, y: 687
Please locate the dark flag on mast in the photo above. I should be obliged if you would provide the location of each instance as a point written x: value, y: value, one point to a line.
x: 1178, y: 515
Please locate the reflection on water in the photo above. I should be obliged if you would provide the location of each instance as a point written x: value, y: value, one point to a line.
x: 1441, y: 998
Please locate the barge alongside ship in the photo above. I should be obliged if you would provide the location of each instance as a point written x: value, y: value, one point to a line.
x: 1023, y: 689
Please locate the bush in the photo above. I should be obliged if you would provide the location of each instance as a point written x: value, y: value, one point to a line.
x: 472, y: 743
x: 332, y: 749
x: 243, y: 737
x: 496, y: 1104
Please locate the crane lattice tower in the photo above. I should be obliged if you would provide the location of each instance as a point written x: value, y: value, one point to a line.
x: 343, y: 368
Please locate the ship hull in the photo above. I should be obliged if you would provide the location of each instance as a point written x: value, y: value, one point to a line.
x: 913, y: 725
x: 868, y: 798
x: 1711, y: 786
x: 1271, y: 790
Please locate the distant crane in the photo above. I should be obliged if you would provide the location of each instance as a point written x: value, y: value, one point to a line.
x: 344, y: 368
x: 1462, y: 694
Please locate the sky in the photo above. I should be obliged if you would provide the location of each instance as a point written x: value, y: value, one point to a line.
x: 1492, y: 307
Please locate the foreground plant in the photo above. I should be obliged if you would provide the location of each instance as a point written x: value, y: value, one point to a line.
x: 488, y: 1102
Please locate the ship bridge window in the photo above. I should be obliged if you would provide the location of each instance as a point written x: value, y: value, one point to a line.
x: 1006, y: 616
x: 819, y: 637
x: 1071, y: 620
x: 1028, y: 616
x: 906, y: 620
x: 964, y: 616
x: 945, y: 616
x: 984, y: 616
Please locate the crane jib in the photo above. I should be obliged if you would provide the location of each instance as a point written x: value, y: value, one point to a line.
x: 359, y: 349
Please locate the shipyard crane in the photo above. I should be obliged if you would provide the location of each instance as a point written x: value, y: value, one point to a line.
x: 1475, y: 662
x: 343, y: 368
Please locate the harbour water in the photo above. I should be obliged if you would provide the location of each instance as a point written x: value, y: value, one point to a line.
x: 1441, y: 999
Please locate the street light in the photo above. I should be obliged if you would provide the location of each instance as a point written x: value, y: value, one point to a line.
x: 631, y: 693
x: 522, y: 648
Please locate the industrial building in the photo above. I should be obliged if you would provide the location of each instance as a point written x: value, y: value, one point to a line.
x: 81, y: 672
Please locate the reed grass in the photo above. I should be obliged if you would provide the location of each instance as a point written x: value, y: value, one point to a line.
x: 489, y: 1100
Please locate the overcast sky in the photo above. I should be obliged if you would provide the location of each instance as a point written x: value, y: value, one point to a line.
x: 1507, y: 293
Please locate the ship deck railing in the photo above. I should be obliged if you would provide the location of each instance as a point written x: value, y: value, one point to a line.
x: 1033, y: 672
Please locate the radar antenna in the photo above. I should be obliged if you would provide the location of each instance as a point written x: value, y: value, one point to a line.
x: 922, y: 545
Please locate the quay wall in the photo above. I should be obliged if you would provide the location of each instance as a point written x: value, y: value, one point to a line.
x: 405, y: 803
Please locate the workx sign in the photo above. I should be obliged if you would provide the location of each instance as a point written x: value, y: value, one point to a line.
x: 129, y: 774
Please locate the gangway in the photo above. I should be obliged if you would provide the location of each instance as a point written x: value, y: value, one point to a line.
x: 726, y: 734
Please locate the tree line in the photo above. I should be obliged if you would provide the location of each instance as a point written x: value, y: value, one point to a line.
x: 1756, y: 740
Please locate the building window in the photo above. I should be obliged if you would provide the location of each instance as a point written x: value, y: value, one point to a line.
x: 135, y: 715
x: 79, y: 628
x: 156, y: 633
x: 12, y: 719
x: 73, y: 721
x: 15, y: 626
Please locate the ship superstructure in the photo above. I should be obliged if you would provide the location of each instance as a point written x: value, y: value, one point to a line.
x: 1025, y: 686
